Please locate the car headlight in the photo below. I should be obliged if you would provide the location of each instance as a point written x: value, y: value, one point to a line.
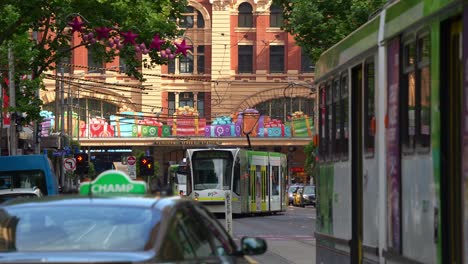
x: 305, y: 196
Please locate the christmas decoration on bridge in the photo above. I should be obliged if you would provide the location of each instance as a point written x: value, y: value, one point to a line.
x: 118, y: 39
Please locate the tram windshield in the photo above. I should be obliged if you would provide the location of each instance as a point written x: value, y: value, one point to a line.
x: 212, y: 170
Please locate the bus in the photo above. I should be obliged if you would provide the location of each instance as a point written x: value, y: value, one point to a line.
x: 392, y: 183
x: 28, y: 172
x: 178, y: 178
x: 256, y: 179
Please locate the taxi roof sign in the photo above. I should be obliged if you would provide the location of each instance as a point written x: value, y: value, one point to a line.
x: 113, y: 182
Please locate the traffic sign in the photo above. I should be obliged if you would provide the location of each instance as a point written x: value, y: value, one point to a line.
x: 131, y: 160
x: 69, y: 164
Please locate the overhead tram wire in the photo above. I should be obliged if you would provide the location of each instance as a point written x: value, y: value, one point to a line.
x: 181, y: 77
x: 52, y: 77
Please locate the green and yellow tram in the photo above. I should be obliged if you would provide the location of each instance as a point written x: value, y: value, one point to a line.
x: 256, y: 179
x: 393, y: 129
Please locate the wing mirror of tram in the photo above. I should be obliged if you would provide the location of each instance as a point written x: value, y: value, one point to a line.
x: 253, y: 246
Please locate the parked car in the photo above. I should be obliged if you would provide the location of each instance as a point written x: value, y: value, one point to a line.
x: 308, y: 195
x: 108, y: 229
x: 14, y: 193
x: 291, y: 190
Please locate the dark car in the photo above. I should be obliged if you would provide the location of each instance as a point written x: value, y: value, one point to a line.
x: 308, y: 195
x: 91, y: 229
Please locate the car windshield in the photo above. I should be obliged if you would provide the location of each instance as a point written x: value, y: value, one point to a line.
x: 292, y: 189
x: 82, y: 228
x: 309, y: 190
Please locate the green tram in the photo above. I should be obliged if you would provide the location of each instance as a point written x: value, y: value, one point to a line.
x: 392, y: 185
x: 177, y: 178
x: 256, y: 179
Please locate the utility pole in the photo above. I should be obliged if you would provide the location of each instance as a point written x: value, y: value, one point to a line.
x: 11, y: 77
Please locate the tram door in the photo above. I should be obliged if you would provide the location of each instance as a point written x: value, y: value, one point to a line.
x: 356, y: 163
x: 450, y: 141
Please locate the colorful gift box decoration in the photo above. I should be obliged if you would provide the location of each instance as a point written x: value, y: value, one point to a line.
x: 166, y: 131
x: 99, y: 127
x: 148, y: 127
x: 276, y: 128
x: 123, y: 123
x: 301, y: 125
x: 187, y: 123
x: 48, y: 123
x: 222, y: 126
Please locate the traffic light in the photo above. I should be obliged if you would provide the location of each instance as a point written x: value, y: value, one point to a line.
x: 82, y: 165
x: 146, y: 166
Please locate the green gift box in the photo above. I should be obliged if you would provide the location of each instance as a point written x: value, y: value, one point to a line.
x: 166, y: 131
x: 301, y: 127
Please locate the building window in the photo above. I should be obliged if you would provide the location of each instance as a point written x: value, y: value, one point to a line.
x: 187, y: 18
x: 369, y: 107
x: 416, y: 93
x: 201, y: 104
x: 66, y: 59
x: 94, y: 63
x: 245, y: 15
x: 245, y: 59
x: 306, y: 62
x: 200, y: 20
x: 201, y: 59
x: 276, y: 16
x: 276, y: 59
x: 186, y: 63
x: 171, y: 66
x: 186, y: 99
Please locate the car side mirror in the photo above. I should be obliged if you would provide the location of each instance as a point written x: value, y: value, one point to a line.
x: 253, y: 246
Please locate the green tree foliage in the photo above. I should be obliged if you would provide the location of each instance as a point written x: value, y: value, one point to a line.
x: 40, y: 36
x: 319, y: 24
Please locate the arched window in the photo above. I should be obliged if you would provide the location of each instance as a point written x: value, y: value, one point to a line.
x: 187, y: 20
x: 200, y: 20
x: 282, y: 107
x: 245, y: 15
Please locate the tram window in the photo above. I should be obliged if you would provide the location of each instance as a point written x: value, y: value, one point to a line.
x: 408, y: 98
x: 425, y: 102
x: 275, y: 180
x: 336, y: 119
x: 344, y: 115
x: 237, y: 175
x: 329, y: 124
x: 323, y: 138
x: 369, y: 107
x: 416, y: 94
